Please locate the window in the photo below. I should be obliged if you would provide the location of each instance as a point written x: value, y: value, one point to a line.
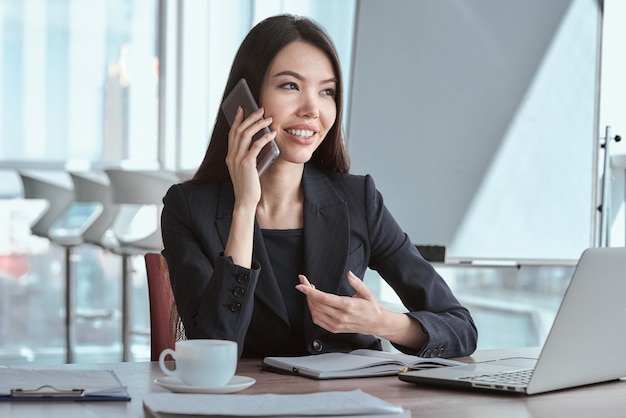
x: 78, y: 80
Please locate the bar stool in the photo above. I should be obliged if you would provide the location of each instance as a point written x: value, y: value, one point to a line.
x: 55, y: 188
x: 137, y: 226
x: 92, y: 189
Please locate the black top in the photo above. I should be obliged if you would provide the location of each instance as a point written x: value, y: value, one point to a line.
x: 285, y: 248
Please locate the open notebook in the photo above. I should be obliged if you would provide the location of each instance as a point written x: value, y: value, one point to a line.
x: 586, y: 344
x: 357, y: 363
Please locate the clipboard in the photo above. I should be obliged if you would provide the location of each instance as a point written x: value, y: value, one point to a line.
x: 47, y: 391
x: 36, y: 385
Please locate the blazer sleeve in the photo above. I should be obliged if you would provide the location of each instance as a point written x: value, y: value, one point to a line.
x: 214, y: 297
x: 422, y: 290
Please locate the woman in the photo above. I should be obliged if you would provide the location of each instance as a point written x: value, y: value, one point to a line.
x: 273, y: 262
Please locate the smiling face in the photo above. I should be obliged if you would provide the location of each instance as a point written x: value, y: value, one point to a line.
x: 299, y: 94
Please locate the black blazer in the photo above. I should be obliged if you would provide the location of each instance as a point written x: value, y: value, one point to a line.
x: 346, y: 227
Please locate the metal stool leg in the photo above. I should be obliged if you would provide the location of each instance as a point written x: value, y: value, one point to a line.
x: 69, y: 306
x: 126, y: 314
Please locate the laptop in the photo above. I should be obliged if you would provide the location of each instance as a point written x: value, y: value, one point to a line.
x: 586, y: 344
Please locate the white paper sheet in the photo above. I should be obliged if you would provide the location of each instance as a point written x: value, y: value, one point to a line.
x: 321, y: 404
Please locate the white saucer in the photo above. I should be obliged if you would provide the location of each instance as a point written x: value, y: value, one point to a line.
x: 175, y: 384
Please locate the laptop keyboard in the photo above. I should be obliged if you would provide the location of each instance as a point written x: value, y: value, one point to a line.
x: 516, y: 378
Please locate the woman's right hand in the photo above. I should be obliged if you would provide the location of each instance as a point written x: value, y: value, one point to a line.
x: 241, y: 158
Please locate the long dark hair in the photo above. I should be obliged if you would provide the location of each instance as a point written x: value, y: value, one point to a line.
x: 258, y: 49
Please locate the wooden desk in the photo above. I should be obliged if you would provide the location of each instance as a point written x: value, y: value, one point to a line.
x: 602, y: 401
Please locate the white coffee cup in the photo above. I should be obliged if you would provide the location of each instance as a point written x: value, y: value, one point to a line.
x: 204, y: 363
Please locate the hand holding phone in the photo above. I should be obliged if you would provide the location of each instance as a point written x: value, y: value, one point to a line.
x: 242, y: 96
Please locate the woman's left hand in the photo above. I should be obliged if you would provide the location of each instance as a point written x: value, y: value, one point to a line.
x: 359, y: 313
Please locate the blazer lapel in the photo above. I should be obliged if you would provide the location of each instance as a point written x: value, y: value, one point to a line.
x: 326, y: 231
x: 267, y: 289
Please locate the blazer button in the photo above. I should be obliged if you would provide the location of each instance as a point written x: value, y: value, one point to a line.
x: 242, y: 278
x: 317, y: 345
x: 435, y: 352
x: 235, y: 307
x: 238, y: 292
x: 427, y: 353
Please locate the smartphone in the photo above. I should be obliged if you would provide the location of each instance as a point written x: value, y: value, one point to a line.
x: 241, y: 95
